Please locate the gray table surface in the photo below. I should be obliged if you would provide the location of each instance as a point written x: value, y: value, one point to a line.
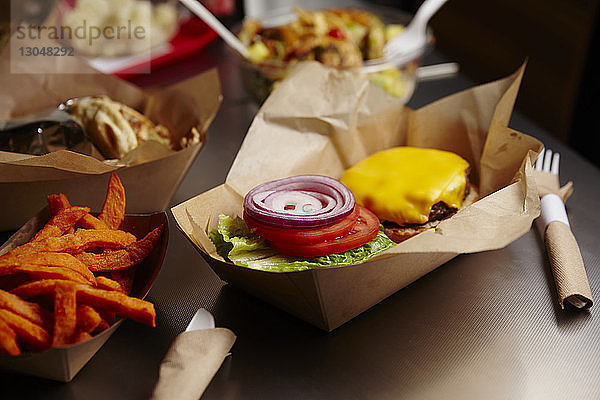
x: 484, y: 325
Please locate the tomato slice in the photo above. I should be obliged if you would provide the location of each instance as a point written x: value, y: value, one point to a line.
x: 304, y: 235
x: 337, y: 33
x: 365, y: 230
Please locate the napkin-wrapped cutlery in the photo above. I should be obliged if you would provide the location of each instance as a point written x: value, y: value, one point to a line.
x: 563, y: 251
x: 193, y: 359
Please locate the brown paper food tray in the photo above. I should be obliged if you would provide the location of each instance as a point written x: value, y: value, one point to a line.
x: 327, y: 298
x: 333, y: 120
x: 150, y: 175
x: 150, y: 187
x: 63, y: 363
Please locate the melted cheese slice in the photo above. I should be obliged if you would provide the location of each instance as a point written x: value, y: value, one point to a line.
x: 401, y: 184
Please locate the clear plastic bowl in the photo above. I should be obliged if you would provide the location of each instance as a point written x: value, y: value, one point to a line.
x: 259, y: 79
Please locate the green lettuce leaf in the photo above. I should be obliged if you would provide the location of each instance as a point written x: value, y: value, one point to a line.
x: 236, y: 243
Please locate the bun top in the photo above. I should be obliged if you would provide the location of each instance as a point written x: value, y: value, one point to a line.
x: 402, y: 184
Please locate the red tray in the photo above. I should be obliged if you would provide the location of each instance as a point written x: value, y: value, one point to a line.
x: 192, y: 37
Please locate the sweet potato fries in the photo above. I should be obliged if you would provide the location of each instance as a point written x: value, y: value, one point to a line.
x: 73, y: 277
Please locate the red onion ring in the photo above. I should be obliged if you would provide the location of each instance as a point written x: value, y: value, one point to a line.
x: 303, y: 201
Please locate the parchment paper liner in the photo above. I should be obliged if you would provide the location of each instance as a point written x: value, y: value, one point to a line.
x: 150, y: 173
x: 322, y: 121
x: 63, y: 363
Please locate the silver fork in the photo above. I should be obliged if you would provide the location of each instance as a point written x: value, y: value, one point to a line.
x: 563, y: 251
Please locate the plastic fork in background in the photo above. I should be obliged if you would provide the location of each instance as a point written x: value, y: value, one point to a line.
x: 201, y: 12
x: 408, y: 45
x: 563, y: 251
x: 414, y: 37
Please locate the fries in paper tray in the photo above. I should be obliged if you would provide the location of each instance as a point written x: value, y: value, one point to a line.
x: 69, y: 276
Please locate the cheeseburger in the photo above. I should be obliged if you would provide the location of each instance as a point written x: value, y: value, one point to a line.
x: 411, y: 189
